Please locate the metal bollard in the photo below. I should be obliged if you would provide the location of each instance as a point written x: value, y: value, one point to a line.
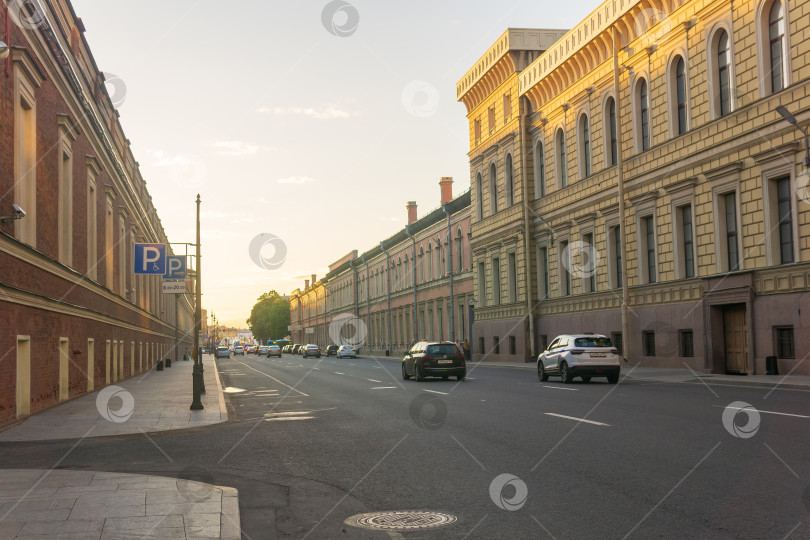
x: 168, y: 362
x: 159, y: 365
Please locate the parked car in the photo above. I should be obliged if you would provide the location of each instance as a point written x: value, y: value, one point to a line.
x: 238, y: 349
x: 262, y: 350
x: 311, y: 350
x: 580, y: 355
x: 434, y: 359
x: 295, y: 349
x: 287, y: 348
x: 223, y: 352
x: 344, y: 351
x: 331, y: 349
x: 273, y: 350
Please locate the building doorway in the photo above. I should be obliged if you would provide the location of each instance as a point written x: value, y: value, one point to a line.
x: 735, y: 337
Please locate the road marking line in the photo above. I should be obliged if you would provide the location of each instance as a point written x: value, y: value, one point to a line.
x: 278, y: 381
x: 437, y: 392
x: 339, y: 373
x: 383, y: 387
x: 766, y: 412
x: 558, y: 387
x: 578, y: 419
x: 372, y: 380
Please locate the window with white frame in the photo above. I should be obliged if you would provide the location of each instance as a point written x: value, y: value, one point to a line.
x: 780, y: 216
x: 479, y: 197
x: 721, y: 77
x: 123, y: 245
x: 429, y: 261
x: 511, y: 268
x: 562, y: 161
x: 458, y: 263
x: 588, y: 263
x: 25, y: 156
x: 496, y: 281
x: 65, y: 208
x: 542, y: 272
x: 507, y: 108
x: 678, y: 96
x: 642, y: 116
x: 776, y: 46
x: 647, y: 249
x: 491, y: 117
x: 109, y: 245
x: 685, y: 238
x: 614, y: 252
x: 726, y: 227
x: 584, y: 140
x: 482, y: 284
x: 562, y: 268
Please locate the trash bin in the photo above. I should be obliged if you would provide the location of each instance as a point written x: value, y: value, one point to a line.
x: 387, y: 352
x: 771, y: 366
x: 168, y: 362
x: 159, y: 365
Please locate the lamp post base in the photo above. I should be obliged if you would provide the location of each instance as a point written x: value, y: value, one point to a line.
x: 197, y: 380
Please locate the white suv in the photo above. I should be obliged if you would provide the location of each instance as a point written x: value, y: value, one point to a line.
x: 580, y: 355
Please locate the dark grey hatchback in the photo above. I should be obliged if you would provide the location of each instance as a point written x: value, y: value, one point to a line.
x: 434, y: 359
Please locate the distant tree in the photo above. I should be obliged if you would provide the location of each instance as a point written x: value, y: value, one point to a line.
x: 269, y: 317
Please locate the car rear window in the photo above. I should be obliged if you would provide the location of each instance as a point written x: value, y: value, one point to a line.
x: 593, y: 342
x: 441, y: 349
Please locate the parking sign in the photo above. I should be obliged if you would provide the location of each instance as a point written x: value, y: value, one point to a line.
x: 175, y: 267
x: 150, y: 259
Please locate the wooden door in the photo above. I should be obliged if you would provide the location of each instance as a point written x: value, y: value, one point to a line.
x: 736, y: 338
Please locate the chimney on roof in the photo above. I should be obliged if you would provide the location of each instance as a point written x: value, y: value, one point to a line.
x: 314, y: 279
x: 446, y: 184
x: 306, y: 284
x: 411, y: 206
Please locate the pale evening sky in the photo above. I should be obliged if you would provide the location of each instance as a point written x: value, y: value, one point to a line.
x: 285, y: 128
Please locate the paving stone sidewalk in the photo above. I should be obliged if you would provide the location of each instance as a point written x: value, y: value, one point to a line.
x: 153, y: 401
x: 64, y: 504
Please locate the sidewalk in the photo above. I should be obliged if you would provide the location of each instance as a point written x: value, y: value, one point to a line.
x: 153, y: 401
x: 101, y: 505
x: 105, y: 506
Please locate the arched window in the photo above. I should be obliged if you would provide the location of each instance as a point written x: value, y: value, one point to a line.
x: 479, y: 197
x: 723, y: 74
x: 643, y: 116
x: 493, y: 189
x: 584, y: 133
x: 611, y: 142
x: 509, y: 181
x: 421, y: 265
x: 430, y: 261
x: 776, y: 41
x: 680, y: 95
x: 539, y: 170
x: 406, y: 276
x: 458, y: 263
x: 562, y: 164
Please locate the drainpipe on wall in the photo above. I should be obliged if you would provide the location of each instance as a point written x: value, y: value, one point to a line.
x: 415, y: 298
x: 526, y: 225
x: 450, y: 259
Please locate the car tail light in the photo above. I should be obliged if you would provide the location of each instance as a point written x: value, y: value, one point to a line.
x: 577, y: 351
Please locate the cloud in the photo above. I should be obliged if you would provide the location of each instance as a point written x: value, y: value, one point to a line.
x: 325, y: 112
x: 295, y: 180
x: 236, y: 148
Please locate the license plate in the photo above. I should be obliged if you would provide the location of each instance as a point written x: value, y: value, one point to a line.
x: 445, y: 361
x: 597, y: 355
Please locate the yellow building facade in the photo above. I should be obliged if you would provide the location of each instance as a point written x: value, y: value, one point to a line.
x: 659, y: 175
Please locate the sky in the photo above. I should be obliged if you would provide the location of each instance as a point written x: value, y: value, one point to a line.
x: 305, y: 126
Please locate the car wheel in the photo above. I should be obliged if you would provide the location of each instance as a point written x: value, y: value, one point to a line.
x: 586, y: 379
x: 405, y: 375
x: 461, y: 377
x: 417, y: 373
x: 541, y: 371
x: 565, y: 373
x: 613, y: 379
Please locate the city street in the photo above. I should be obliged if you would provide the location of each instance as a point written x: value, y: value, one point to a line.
x: 313, y: 442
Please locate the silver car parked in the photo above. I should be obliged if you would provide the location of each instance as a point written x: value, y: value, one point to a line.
x: 580, y: 355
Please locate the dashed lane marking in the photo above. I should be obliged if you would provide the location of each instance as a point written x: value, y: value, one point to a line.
x: 437, y: 392
x: 577, y: 419
x: 278, y: 381
x: 383, y: 387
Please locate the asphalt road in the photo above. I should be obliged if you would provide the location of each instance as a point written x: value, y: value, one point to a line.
x: 313, y: 442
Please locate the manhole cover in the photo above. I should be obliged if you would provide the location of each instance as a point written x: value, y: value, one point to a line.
x: 401, y: 521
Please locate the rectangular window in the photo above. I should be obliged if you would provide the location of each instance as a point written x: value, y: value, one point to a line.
x: 512, y: 269
x: 688, y: 242
x: 686, y: 343
x: 23, y: 376
x: 784, y: 342
x: 565, y: 276
x: 616, y: 338
x: 481, y: 346
x: 507, y: 108
x: 783, y: 201
x: 482, y: 285
x: 496, y: 344
x: 732, y: 246
x: 92, y: 225
x: 64, y: 369
x: 496, y: 281
x: 648, y: 343
x: 542, y: 273
x: 477, y: 128
x: 615, y: 242
x: 648, y: 231
x: 491, y: 117
x: 65, y: 227
x: 25, y: 154
x: 588, y: 263
x: 512, y: 345
x: 109, y: 245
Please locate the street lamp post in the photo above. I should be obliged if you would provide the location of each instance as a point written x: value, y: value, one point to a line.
x: 197, y: 373
x: 792, y: 120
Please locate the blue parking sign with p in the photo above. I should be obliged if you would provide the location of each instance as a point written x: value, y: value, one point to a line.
x: 175, y: 267
x: 150, y: 259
